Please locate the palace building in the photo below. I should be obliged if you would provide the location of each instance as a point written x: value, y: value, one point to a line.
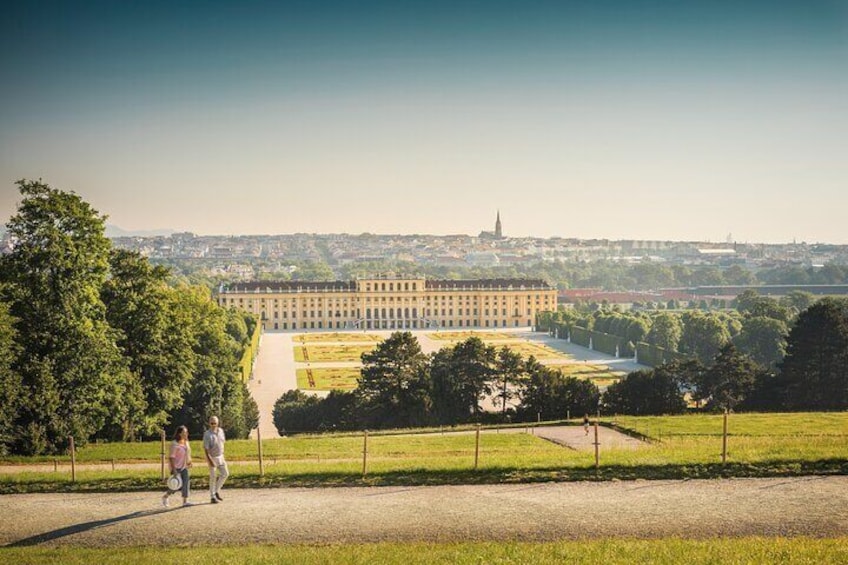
x: 391, y: 303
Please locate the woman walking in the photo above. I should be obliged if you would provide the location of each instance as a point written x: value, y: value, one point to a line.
x: 180, y: 462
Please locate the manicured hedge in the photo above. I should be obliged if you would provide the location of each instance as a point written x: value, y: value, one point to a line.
x: 246, y: 363
x: 654, y: 356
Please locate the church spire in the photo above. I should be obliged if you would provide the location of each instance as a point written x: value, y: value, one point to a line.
x: 498, y: 230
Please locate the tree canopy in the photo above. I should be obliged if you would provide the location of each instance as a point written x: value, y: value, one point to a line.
x: 94, y: 343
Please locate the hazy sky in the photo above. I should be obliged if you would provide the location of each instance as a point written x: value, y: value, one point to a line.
x: 597, y: 118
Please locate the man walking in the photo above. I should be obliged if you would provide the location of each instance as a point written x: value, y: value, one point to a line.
x: 213, y: 447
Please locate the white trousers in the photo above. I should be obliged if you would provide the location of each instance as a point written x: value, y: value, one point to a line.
x: 216, y: 484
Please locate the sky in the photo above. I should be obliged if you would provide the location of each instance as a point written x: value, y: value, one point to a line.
x: 619, y: 119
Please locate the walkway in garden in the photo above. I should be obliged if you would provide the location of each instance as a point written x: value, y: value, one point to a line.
x: 802, y: 506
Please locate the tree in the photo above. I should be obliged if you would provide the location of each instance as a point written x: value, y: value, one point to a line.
x: 703, y: 335
x: 154, y: 336
x: 550, y: 395
x: 638, y: 329
x: 11, y: 387
x: 798, y: 301
x: 728, y: 381
x: 763, y: 339
x: 296, y: 411
x: 646, y: 392
x: 460, y: 377
x: 510, y: 368
x: 738, y: 275
x: 764, y: 306
x: 745, y: 301
x: 666, y: 331
x: 215, y: 385
x: 815, y: 369
x: 394, y: 385
x: 473, y: 364
x: 73, y: 376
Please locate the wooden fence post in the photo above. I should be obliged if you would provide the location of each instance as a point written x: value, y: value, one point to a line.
x: 477, y: 448
x: 259, y: 441
x: 364, y: 453
x: 73, y: 461
x: 724, y: 439
x: 597, y: 448
x: 162, y: 453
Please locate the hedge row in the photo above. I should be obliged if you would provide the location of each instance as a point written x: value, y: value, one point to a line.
x: 246, y: 363
x: 655, y: 356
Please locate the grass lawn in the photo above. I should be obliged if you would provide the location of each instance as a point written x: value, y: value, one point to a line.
x: 598, y: 374
x: 539, y: 351
x: 523, y: 348
x: 328, y: 379
x: 340, y: 337
x: 683, y: 447
x: 460, y: 336
x: 810, y: 425
x: 592, y: 552
x: 324, y: 353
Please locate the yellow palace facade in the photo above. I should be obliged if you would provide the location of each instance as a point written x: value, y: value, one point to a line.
x: 391, y: 303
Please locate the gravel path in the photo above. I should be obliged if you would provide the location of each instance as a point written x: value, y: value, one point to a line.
x: 810, y: 506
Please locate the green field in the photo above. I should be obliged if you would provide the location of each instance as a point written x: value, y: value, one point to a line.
x: 328, y: 379
x: 460, y: 336
x: 607, y: 551
x: 523, y: 348
x: 538, y: 350
x: 811, y: 425
x: 681, y: 447
x: 598, y: 374
x: 339, y: 337
x: 326, y: 353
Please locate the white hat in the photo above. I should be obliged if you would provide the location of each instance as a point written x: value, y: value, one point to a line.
x: 175, y: 482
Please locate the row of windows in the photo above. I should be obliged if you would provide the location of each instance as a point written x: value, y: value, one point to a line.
x: 338, y: 301
x: 382, y: 286
x: 390, y: 324
x: 392, y: 313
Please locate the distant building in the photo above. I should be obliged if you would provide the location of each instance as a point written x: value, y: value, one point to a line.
x: 391, y: 303
x: 497, y: 234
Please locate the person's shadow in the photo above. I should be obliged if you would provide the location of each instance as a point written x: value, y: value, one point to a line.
x: 84, y: 527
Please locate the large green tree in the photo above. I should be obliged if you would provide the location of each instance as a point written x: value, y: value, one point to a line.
x: 11, y: 390
x: 547, y: 394
x: 155, y: 336
x: 646, y: 392
x: 703, y: 335
x: 73, y: 376
x: 394, y: 385
x: 214, y: 386
x: 509, y: 368
x: 461, y: 376
x: 728, y: 381
x: 666, y: 331
x: 763, y: 339
x: 814, y: 372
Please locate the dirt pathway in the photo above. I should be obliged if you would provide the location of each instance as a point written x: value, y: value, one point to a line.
x: 810, y: 506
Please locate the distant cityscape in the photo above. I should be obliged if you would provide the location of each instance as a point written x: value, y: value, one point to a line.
x: 489, y: 249
x: 491, y: 253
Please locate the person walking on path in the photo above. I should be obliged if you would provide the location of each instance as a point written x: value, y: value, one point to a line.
x: 213, y: 447
x: 179, y: 461
x: 586, y: 423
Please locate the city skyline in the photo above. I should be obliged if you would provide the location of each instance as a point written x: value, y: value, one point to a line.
x: 627, y: 120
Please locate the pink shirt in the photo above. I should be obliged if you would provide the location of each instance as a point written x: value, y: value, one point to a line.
x: 180, y: 454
